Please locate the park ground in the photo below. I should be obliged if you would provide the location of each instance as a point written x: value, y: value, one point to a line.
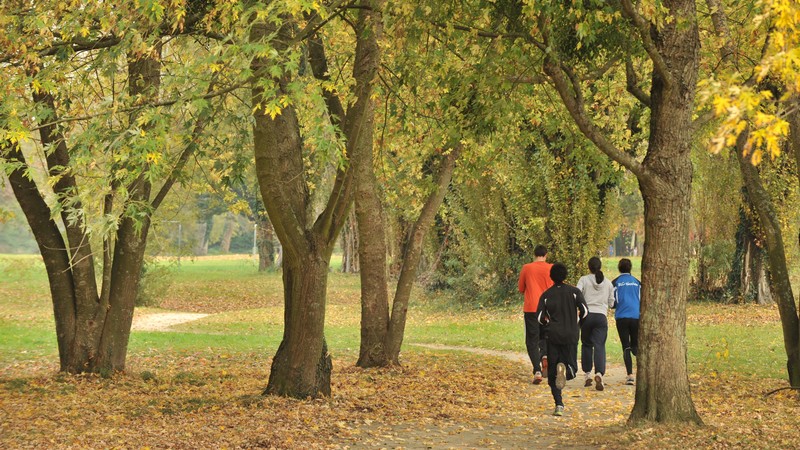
x: 194, y: 381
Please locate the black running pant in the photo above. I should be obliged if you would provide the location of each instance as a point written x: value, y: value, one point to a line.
x: 535, y: 340
x: 628, y: 330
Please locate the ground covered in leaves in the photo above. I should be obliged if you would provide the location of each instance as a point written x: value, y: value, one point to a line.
x: 436, y: 400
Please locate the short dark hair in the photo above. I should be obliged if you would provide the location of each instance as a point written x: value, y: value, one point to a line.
x: 624, y: 265
x: 558, y: 272
x: 540, y: 250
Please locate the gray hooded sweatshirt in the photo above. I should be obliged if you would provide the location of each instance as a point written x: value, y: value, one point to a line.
x: 599, y: 297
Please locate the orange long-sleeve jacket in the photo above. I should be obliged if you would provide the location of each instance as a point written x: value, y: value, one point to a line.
x: 533, y: 280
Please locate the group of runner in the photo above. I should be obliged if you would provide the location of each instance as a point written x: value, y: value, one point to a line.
x: 557, y: 315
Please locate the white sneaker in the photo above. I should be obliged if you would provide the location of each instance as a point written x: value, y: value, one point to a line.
x: 629, y: 381
x: 587, y: 379
x: 561, y: 376
x: 598, y: 382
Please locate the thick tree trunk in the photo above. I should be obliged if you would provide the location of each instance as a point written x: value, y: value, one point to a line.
x: 665, y: 179
x: 302, y: 366
x: 662, y: 389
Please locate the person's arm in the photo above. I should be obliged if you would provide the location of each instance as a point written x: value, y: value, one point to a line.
x: 580, y: 305
x: 542, y: 315
x: 611, y: 300
x: 581, y: 285
x: 522, y: 281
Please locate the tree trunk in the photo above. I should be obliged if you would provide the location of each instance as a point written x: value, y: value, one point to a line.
x: 227, y: 235
x: 92, y: 329
x: 662, y: 389
x: 302, y: 366
x: 350, y: 262
x: 764, y: 289
x: 266, y: 247
x: 776, y: 257
x: 665, y: 180
x: 412, y: 254
x: 372, y: 244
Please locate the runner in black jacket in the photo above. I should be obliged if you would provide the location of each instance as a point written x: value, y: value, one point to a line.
x: 563, y: 307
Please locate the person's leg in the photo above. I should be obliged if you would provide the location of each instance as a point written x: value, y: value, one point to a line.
x: 557, y: 398
x: 625, y: 339
x: 587, y: 346
x: 532, y: 340
x: 634, y: 327
x: 598, y: 338
x: 554, y: 358
x: 543, y: 348
x: 571, y: 356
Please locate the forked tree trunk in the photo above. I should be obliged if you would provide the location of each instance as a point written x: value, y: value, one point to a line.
x: 381, y: 334
x: 92, y: 327
x: 412, y: 255
x: 302, y: 366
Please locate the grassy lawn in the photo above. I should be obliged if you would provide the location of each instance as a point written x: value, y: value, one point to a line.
x: 197, y: 385
x: 247, y: 315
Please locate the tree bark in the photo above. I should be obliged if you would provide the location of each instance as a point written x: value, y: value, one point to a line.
x: 412, y: 254
x: 350, y: 262
x: 662, y: 390
x: 776, y: 257
x: 266, y: 247
x: 302, y: 366
x: 665, y: 176
x: 382, y: 334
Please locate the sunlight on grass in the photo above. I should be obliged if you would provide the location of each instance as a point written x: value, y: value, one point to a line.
x: 246, y: 310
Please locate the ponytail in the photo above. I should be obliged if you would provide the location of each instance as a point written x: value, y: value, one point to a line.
x: 595, y: 266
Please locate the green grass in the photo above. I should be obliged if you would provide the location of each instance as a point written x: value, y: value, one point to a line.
x: 27, y: 330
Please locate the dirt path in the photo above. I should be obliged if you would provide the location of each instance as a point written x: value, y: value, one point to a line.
x: 540, y: 428
x: 163, y: 321
x: 615, y: 374
x: 534, y: 428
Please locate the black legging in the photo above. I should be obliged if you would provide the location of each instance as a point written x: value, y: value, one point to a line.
x: 628, y: 330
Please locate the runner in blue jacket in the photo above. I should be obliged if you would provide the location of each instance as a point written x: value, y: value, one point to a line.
x: 627, y: 294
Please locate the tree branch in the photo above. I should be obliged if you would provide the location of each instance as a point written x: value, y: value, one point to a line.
x: 644, y: 33
x: 632, y: 82
x: 577, y: 110
x: 160, y: 104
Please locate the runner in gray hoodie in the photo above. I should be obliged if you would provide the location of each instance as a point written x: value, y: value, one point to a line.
x: 599, y: 294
